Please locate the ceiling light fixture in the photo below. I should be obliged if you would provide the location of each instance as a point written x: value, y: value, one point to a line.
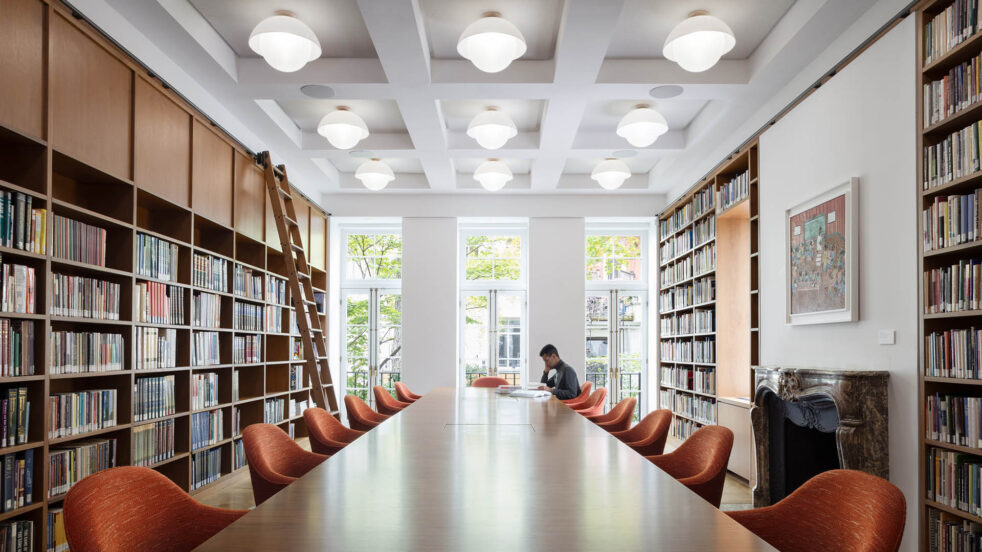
x: 642, y: 126
x: 697, y: 43
x: 285, y: 42
x: 374, y: 174
x: 491, y: 43
x: 493, y: 175
x: 611, y: 173
x: 492, y: 128
x: 343, y: 128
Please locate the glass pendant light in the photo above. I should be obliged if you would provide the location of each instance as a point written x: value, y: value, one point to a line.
x: 697, y: 43
x: 493, y: 175
x: 491, y: 43
x: 285, y: 42
x: 492, y: 128
x: 374, y: 174
x: 642, y: 126
x: 611, y: 173
x: 343, y: 128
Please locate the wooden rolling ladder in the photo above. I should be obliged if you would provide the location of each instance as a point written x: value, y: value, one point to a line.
x: 301, y: 290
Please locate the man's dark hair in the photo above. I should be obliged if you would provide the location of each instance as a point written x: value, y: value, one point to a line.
x: 549, y: 350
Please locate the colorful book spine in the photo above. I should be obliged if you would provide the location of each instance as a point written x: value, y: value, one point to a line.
x: 19, y: 291
x: 248, y: 317
x: 955, y: 156
x: 205, y: 349
x: 207, y: 428
x: 21, y: 225
x: 153, y: 443
x: 953, y: 288
x: 156, y: 348
x: 206, y: 467
x: 248, y: 283
x: 953, y: 353
x: 57, y: 538
x: 238, y: 455
x: 733, y: 191
x: 274, y: 410
x: 69, y: 464
x: 15, y: 414
x: 16, y: 347
x: 207, y: 310
x: 82, y: 297
x: 76, y: 241
x: 158, y: 303
x: 17, y: 536
x: 153, y: 397
x: 156, y: 258
x: 246, y: 349
x: 949, y: 28
x: 18, y: 480
x: 82, y: 352
x: 81, y: 412
x: 209, y: 272
x: 204, y: 390
x: 275, y: 290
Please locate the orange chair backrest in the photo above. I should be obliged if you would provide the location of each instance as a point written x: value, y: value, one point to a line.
x: 489, y: 381
x: 326, y: 428
x: 271, y: 451
x: 596, y: 398
x: 707, y: 450
x: 385, y: 400
x: 359, y: 410
x: 620, y: 415
x: 404, y: 394
x: 584, y: 394
x: 650, y: 434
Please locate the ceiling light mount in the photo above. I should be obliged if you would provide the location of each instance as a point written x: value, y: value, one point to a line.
x: 374, y: 174
x: 492, y: 128
x: 698, y: 42
x: 493, y: 174
x: 285, y: 42
x: 343, y: 128
x: 642, y: 126
x: 611, y: 173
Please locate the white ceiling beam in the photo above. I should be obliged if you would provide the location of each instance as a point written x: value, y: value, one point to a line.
x: 526, y: 140
x: 653, y: 72
x: 256, y: 72
x: 282, y: 120
x: 312, y: 142
x: 203, y: 33
x: 608, y: 140
x: 523, y: 71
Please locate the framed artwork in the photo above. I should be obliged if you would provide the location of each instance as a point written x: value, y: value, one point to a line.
x: 822, y: 257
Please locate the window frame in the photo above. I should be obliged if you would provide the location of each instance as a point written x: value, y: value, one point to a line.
x: 521, y: 231
x: 369, y: 230
x: 642, y: 231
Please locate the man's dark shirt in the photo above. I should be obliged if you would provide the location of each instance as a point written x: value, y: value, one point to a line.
x: 565, y: 384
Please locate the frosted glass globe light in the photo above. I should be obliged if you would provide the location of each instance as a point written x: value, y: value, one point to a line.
x: 491, y: 43
x: 374, y: 174
x: 697, y: 43
x: 493, y: 175
x: 285, y: 42
x: 492, y: 128
x: 343, y: 128
x: 611, y: 173
x: 642, y: 126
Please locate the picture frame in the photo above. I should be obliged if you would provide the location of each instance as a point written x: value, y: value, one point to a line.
x: 822, y: 257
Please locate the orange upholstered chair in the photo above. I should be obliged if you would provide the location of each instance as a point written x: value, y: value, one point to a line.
x: 405, y: 395
x: 700, y: 462
x: 835, y: 510
x: 385, y: 403
x: 648, y: 436
x: 327, y: 434
x: 275, y: 460
x: 619, y: 418
x: 130, y: 508
x: 489, y: 381
x: 582, y: 397
x: 595, y: 404
x: 360, y: 416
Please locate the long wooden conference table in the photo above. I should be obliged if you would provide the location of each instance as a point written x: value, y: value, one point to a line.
x: 467, y: 469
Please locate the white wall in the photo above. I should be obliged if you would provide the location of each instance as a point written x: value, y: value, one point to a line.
x: 557, y: 265
x: 861, y: 123
x: 493, y: 205
x: 429, y: 302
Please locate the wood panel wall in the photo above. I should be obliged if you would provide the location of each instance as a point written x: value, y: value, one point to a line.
x: 211, y: 175
x: 22, y: 65
x: 250, y: 191
x: 162, y: 145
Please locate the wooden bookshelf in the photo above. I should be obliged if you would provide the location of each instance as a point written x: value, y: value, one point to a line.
x: 932, y: 256
x: 89, y: 134
x: 728, y: 249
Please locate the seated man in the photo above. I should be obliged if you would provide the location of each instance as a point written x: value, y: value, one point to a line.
x: 558, y: 377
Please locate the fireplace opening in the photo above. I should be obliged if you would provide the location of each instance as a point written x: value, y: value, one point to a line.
x: 802, y: 441
x: 808, y: 452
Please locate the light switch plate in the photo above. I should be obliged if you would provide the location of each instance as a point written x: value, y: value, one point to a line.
x: 887, y: 337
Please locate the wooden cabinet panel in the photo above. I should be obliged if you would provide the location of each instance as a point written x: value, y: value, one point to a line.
x: 318, y: 239
x: 272, y: 234
x: 737, y: 419
x: 250, y: 194
x: 303, y: 219
x: 22, y: 65
x: 91, y: 100
x: 162, y: 145
x: 211, y: 175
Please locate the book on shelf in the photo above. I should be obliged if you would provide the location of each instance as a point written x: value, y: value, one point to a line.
x: 70, y: 463
x: 296, y: 377
x: 733, y: 191
x: 320, y: 299
x: 207, y: 309
x: 207, y: 428
x: 154, y: 397
x: 291, y: 430
x: 153, y: 442
x: 204, y: 390
x: 248, y: 317
x: 15, y: 415
x: 953, y: 288
x: 158, y: 303
x: 275, y: 290
x: 248, y: 283
x: 205, y: 349
x: 246, y: 349
x: 18, y: 480
x: 19, y: 288
x: 953, y: 353
x: 83, y: 297
x: 297, y: 349
x: 238, y: 455
x: 16, y: 347
x: 156, y: 348
x: 209, y: 272
x: 206, y: 467
x: 82, y: 352
x: 156, y: 258
x: 953, y: 419
x: 236, y: 421
x: 77, y: 241
x: 21, y: 225
x: 17, y: 536
x: 235, y: 386
x: 274, y: 408
x: 80, y: 412
x: 956, y: 90
x: 274, y: 318
x: 949, y: 28
x: 955, y: 156
x: 950, y: 532
x: 703, y: 201
x: 952, y: 480
x: 57, y: 538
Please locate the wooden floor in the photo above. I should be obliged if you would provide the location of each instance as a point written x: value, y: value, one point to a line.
x: 236, y: 491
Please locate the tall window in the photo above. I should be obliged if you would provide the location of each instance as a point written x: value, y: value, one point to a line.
x: 372, y: 308
x: 616, y: 312
x: 492, y: 303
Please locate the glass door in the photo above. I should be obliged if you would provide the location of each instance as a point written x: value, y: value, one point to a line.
x: 493, y: 335
x: 509, y: 316
x: 373, y: 341
x: 388, y: 336
x: 357, y: 348
x: 615, y: 344
x: 598, y: 338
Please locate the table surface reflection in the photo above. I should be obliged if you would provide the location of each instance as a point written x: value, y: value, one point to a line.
x: 467, y: 469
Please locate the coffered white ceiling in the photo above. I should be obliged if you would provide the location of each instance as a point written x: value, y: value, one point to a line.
x: 394, y: 62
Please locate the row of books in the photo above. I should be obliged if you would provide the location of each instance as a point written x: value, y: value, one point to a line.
x: 732, y: 192
x: 22, y: 226
x: 15, y: 416
x: 207, y: 309
x: 697, y: 350
x: 247, y: 349
x: 17, y: 536
x: 296, y: 377
x: 80, y: 296
x: 204, y: 390
x: 156, y: 348
x: 274, y: 410
x: 275, y: 290
x: 76, y: 241
x: 953, y: 288
x: 248, y: 283
x: 704, y: 259
x: 153, y: 443
x: 704, y: 350
x: 238, y: 455
x: 675, y: 298
x: 209, y: 272
x: 703, y: 231
x: 957, y: 155
x: 701, y: 380
x: 679, y: 219
x: 682, y: 428
x: 953, y: 419
x: 16, y: 347
x: 81, y: 412
x: 678, y: 245
x: 950, y: 533
x: 69, y: 464
x: 297, y: 407
x: 204, y: 349
x: 19, y: 290
x: 154, y: 397
x: 57, y: 538
x: 949, y: 28
x: 676, y: 272
x: 274, y: 318
x: 954, y: 479
x: 18, y: 480
x: 952, y: 220
x: 704, y: 201
x: 704, y: 290
x: 207, y: 428
x: 206, y: 467
x: 953, y: 353
x: 684, y: 324
x: 248, y: 316
x: 958, y: 89
x: 702, y: 409
x: 158, y: 303
x: 156, y: 258
x: 83, y: 352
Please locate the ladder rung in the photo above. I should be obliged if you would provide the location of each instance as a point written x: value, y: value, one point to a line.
x: 335, y: 412
x: 290, y: 221
x: 315, y: 330
x: 284, y: 193
x: 296, y: 247
x: 308, y: 302
x: 303, y: 276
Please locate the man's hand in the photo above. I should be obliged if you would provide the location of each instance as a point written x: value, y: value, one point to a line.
x: 545, y: 388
